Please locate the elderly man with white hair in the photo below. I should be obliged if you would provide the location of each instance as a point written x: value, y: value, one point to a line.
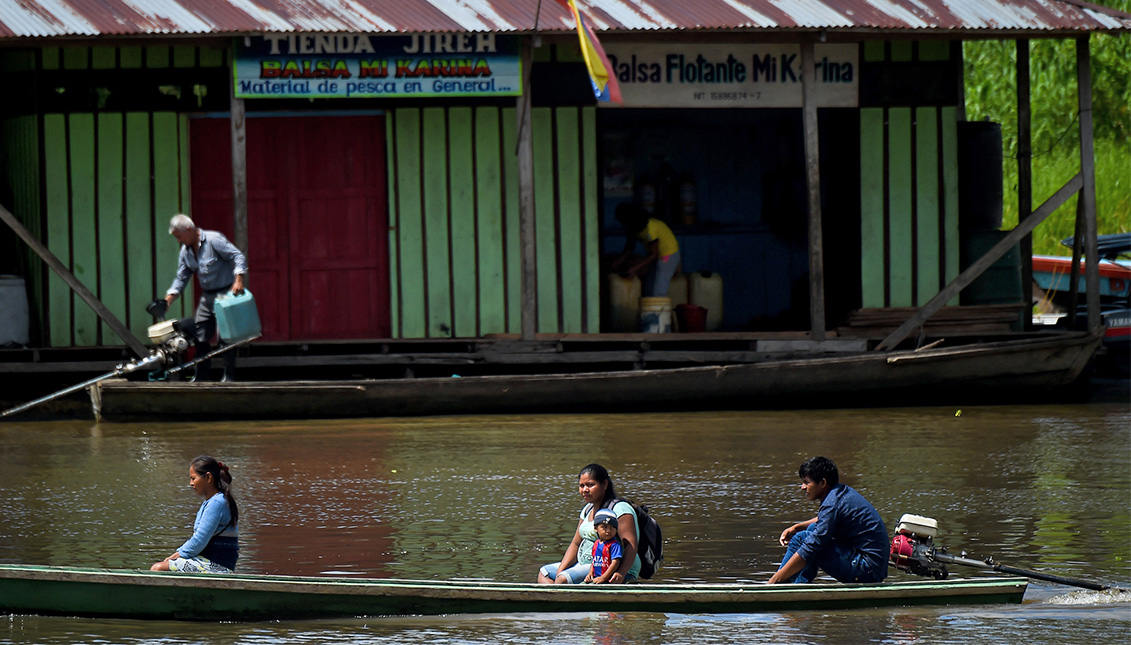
x: 220, y: 267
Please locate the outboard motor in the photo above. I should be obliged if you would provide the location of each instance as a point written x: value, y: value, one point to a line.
x: 913, y: 547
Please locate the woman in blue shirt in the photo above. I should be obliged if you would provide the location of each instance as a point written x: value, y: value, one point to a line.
x: 214, y: 545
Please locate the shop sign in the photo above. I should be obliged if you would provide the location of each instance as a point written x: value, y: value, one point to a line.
x: 731, y: 76
x: 364, y: 66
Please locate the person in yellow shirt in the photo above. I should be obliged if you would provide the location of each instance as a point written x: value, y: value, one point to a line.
x: 661, y: 258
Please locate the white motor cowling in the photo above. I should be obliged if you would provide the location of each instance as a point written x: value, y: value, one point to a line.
x: 169, y: 336
x: 913, y: 544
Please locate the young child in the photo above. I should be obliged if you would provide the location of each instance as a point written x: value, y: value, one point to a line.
x: 606, y: 550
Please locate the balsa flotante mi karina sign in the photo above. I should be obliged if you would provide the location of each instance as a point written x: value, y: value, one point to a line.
x: 731, y: 76
x: 363, y: 66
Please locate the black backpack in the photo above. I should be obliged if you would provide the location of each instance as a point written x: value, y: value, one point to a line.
x: 650, y: 546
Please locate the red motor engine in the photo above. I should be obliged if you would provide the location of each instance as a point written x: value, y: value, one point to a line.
x: 913, y: 544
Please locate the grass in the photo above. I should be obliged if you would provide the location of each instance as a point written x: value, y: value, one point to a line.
x: 991, y: 94
x: 1050, y: 172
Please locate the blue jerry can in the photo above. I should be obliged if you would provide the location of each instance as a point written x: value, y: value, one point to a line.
x: 236, y: 317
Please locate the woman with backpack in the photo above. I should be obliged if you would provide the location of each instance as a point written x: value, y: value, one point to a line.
x: 597, y: 490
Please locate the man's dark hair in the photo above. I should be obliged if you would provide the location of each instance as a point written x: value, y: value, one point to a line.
x: 818, y: 468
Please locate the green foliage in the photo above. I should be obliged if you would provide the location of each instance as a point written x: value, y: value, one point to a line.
x: 991, y: 94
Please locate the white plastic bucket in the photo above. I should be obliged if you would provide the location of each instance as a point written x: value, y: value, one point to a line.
x: 656, y: 315
x: 13, y: 311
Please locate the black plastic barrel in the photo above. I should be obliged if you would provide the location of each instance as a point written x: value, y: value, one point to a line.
x: 979, y: 176
x: 1001, y: 283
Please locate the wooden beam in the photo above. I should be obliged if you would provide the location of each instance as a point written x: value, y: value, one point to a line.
x: 239, y: 172
x: 526, y: 232
x: 123, y: 332
x: 1088, y: 189
x: 1025, y: 167
x: 813, y: 191
x: 1074, y: 281
x: 978, y: 267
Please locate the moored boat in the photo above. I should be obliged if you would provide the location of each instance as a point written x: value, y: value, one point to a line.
x: 1030, y: 365
x: 69, y: 591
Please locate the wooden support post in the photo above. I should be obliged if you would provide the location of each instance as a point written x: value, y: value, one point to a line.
x: 1088, y: 189
x: 239, y: 168
x: 526, y: 200
x: 1025, y: 168
x: 976, y: 269
x: 813, y: 191
x: 1074, y: 280
x: 123, y: 332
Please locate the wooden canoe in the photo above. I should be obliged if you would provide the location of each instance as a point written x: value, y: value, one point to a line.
x: 990, y: 369
x: 67, y: 591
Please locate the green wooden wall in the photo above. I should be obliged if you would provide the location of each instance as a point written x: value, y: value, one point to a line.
x: 908, y: 193
x: 454, y: 221
x: 112, y: 181
x: 99, y: 188
x: 19, y: 143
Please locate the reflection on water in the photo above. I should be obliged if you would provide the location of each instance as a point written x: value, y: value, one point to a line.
x: 494, y: 497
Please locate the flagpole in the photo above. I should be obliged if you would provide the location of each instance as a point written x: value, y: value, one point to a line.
x: 525, y: 152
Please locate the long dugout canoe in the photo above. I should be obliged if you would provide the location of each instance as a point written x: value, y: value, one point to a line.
x: 1029, y: 365
x: 105, y: 593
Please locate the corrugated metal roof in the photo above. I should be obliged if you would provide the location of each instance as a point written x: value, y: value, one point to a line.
x: 94, y: 18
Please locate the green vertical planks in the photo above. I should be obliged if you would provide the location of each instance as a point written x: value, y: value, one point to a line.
x: 454, y: 209
x: 571, y: 268
x: 900, y: 263
x: 410, y: 218
x: 511, y: 218
x: 436, y: 218
x: 20, y: 139
x: 949, y: 119
x: 139, y: 222
x: 489, y: 222
x: 926, y: 205
x: 185, y: 190
x: 391, y: 192
x: 84, y: 245
x: 111, y: 236
x: 545, y: 233
x: 186, y: 164
x: 872, y: 276
x: 167, y: 202
x: 461, y: 182
x: 58, y: 227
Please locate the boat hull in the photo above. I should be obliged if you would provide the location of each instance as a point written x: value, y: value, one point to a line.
x: 871, y: 378
x: 26, y: 589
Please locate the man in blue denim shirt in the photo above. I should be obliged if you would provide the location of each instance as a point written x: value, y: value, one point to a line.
x: 847, y: 539
x: 220, y: 267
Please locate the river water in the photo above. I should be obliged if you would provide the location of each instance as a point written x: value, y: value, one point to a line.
x: 494, y: 497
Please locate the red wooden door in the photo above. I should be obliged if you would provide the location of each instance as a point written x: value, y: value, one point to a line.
x: 317, y: 220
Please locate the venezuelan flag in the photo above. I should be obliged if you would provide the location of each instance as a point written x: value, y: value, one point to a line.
x: 601, y: 73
